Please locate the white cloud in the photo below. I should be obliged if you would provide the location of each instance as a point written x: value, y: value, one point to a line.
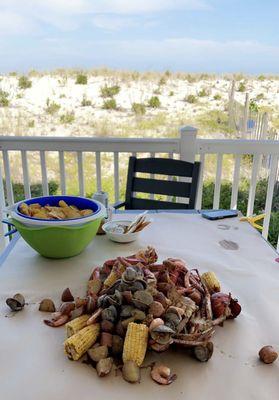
x: 146, y: 6
x: 70, y: 14
x: 113, y: 23
x: 12, y: 23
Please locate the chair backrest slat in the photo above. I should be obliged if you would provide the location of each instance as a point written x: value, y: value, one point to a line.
x: 158, y: 186
x: 181, y: 188
x: 164, y: 166
x: 147, y: 204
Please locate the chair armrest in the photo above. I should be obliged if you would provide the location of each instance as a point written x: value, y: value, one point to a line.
x: 119, y: 204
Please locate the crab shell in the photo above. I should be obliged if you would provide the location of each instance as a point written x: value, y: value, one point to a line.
x: 221, y: 302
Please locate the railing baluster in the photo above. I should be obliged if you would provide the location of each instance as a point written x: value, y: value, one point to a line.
x: 80, y: 173
x: 253, y: 183
x: 62, y: 172
x: 200, y: 184
x: 9, y: 187
x: 3, y: 227
x: 235, y: 183
x: 217, y: 188
x: 44, y: 173
x: 170, y: 178
x: 269, y: 194
x: 98, y: 171
x: 27, y: 191
x: 151, y: 196
x: 116, y: 175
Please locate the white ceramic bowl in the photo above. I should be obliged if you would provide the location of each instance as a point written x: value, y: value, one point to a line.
x: 120, y: 237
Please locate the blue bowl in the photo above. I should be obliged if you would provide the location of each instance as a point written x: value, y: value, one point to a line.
x: 80, y: 202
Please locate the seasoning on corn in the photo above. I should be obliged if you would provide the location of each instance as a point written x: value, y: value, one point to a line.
x: 135, y: 343
x: 76, y: 325
x: 76, y: 345
x: 210, y: 280
x: 114, y: 275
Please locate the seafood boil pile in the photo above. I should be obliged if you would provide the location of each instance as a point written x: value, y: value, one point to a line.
x: 134, y: 304
x: 62, y: 211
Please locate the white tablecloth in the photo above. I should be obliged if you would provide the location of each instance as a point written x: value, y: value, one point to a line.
x: 32, y: 363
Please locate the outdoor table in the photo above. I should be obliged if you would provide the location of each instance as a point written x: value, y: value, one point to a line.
x: 33, y: 365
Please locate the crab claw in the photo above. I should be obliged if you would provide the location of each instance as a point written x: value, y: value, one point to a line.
x: 54, y: 323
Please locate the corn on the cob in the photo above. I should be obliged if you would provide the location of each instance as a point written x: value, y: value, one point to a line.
x: 114, y: 275
x: 210, y: 280
x: 76, y: 325
x: 135, y: 343
x: 76, y: 345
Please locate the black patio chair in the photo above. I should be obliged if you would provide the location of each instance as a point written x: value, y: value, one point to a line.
x: 171, y: 187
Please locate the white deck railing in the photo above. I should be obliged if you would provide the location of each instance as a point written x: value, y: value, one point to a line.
x: 187, y: 147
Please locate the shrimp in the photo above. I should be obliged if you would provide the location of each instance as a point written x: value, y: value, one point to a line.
x: 161, y: 374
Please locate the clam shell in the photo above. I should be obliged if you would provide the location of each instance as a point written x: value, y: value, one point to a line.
x: 156, y: 309
x: 14, y: 304
x: 161, y: 337
x: 20, y: 298
x: 204, y: 352
x: 47, y: 305
x: 142, y: 299
x: 126, y: 311
x: 109, y: 313
x: 129, y: 275
x: 138, y: 285
x: 163, y: 329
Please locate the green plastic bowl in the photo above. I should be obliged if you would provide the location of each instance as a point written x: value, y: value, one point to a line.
x: 59, y: 241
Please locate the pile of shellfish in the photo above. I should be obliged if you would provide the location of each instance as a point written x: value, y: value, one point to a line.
x: 172, y: 300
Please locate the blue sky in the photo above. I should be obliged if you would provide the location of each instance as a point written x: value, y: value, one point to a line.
x: 179, y: 35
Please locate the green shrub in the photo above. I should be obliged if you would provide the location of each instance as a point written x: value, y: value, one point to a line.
x: 138, y: 108
x: 67, y: 118
x: 260, y: 96
x: 86, y: 102
x: 62, y: 96
x: 157, y: 91
x: 217, y: 97
x: 253, y: 106
x: 81, y: 79
x: 273, y: 228
x: 241, y: 87
x: 31, y: 124
x: 190, y: 99
x: 109, y: 91
x: 203, y: 93
x: 154, y: 102
x: 162, y: 81
x: 4, y: 101
x: 191, y: 78
x: 24, y: 82
x: 36, y: 190
x: 261, y: 78
x: 109, y: 104
x: 171, y: 93
x: 167, y: 73
x: 243, y: 194
x: 52, y: 108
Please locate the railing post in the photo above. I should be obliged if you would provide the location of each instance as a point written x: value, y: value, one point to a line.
x: 3, y: 229
x: 188, y: 136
